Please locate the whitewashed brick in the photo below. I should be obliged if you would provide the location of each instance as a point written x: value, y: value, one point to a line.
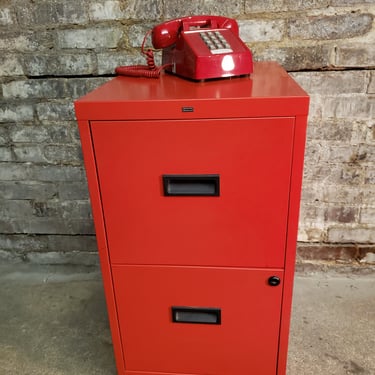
x: 355, y: 55
x: 6, y: 154
x: 331, y: 83
x: 21, y: 112
x: 316, y: 107
x: 41, y: 173
x: 17, y: 42
x: 367, y: 215
x: 146, y: 9
x: 44, y: 88
x: 356, y: 106
x: 55, y: 111
x: 293, y: 58
x: 312, y: 214
x: 98, y: 37
x: 67, y: 154
x: 330, y: 27
x: 6, y: 18
x: 107, y: 10
x: 73, y: 190
x: 77, y: 87
x: 369, y: 258
x: 310, y: 234
x: 26, y: 41
x: 300, y: 5
x: 341, y: 3
x: 228, y: 8
x: 312, y: 192
x: 51, y: 12
x: 63, y: 256
x: 46, y: 225
x: 35, y: 134
x: 370, y: 179
x: 371, y: 86
x: 363, y: 132
x: 60, y: 64
x: 28, y: 153
x: 40, y: 153
x: 11, y: 190
x: 351, y: 235
x: 255, y: 6
x: 51, y: 133
x: 137, y: 33
x: 54, y: 243
x: 343, y: 154
x: 332, y: 193
x: 261, y: 30
x: 4, y: 137
x: 10, y: 66
x: 70, y: 12
x: 333, y: 131
x: 108, y: 61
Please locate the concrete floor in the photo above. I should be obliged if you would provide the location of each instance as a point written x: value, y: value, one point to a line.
x: 53, y: 321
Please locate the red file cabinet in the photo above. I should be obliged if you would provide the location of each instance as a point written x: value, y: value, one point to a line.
x: 195, y: 190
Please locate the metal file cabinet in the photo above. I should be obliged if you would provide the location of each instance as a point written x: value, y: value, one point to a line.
x: 195, y: 190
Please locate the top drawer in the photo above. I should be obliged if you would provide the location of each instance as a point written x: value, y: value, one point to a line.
x: 239, y: 221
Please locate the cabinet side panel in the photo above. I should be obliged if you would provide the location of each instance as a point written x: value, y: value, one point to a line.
x: 290, y: 256
x: 96, y: 205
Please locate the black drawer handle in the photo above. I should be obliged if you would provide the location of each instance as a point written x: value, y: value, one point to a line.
x: 191, y: 185
x: 196, y: 315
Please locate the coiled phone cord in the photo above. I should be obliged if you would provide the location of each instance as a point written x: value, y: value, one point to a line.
x: 151, y: 70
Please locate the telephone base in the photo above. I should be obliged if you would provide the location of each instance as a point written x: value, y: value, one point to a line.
x: 202, y: 80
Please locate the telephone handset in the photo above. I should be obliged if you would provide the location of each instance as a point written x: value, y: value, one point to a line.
x: 196, y: 47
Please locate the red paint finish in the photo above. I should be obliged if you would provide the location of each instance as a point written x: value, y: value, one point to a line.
x: 246, y: 341
x: 187, y: 52
x: 269, y: 92
x: 191, y: 58
x: 101, y: 238
x: 231, y: 230
x: 218, y: 251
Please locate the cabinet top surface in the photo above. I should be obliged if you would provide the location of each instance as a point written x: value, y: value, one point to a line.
x: 268, y: 80
x: 269, y: 91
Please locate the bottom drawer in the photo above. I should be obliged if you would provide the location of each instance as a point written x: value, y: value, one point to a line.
x: 198, y: 320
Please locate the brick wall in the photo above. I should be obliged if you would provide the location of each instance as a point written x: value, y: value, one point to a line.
x: 53, y: 51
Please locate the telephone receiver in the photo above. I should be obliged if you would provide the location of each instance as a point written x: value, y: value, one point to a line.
x: 197, y: 48
x: 166, y: 34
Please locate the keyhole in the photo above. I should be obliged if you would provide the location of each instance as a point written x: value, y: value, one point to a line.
x: 274, y: 281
